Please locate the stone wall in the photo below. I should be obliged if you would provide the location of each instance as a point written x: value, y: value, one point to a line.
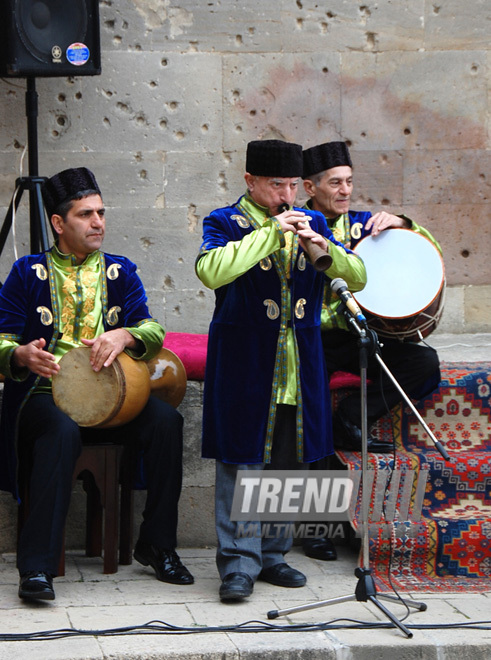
x: 185, y: 85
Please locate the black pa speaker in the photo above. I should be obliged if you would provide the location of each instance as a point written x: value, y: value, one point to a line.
x: 49, y: 38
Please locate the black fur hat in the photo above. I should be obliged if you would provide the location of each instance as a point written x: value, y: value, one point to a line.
x: 324, y: 156
x: 274, y: 158
x: 64, y: 186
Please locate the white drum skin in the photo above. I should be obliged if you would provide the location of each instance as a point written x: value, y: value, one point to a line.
x: 404, y: 295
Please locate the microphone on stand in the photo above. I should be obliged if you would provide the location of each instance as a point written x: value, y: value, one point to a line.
x: 319, y: 258
x: 340, y: 288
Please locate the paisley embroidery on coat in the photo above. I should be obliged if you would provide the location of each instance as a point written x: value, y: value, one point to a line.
x: 46, y: 315
x: 41, y: 272
x: 300, y: 308
x: 241, y: 221
x: 112, y: 315
x: 302, y: 261
x: 273, y: 311
x: 113, y: 271
x: 265, y: 263
x: 356, y: 228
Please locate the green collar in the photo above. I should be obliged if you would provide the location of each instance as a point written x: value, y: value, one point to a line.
x: 64, y: 260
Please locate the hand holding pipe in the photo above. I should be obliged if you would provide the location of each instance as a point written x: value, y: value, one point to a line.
x: 319, y: 258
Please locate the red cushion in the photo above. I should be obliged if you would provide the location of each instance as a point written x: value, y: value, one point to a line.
x: 341, y: 379
x: 191, y: 350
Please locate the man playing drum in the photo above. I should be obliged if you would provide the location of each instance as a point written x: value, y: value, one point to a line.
x: 266, y: 398
x: 328, y: 180
x: 71, y: 295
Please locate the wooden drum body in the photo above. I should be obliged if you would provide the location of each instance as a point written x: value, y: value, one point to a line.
x: 404, y: 295
x: 168, y: 379
x: 110, y: 397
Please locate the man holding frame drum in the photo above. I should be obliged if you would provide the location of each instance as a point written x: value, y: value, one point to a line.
x: 72, y: 295
x: 328, y: 180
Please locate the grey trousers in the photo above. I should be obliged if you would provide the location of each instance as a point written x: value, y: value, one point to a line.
x: 250, y: 554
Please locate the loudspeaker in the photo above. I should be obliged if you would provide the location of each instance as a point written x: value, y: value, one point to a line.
x: 49, y: 38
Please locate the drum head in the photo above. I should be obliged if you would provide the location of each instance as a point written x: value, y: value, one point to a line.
x: 405, y: 273
x: 90, y: 398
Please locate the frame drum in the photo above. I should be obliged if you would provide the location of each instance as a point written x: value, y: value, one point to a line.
x: 110, y: 397
x: 404, y: 295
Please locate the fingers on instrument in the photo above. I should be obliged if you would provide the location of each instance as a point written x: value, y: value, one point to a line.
x: 116, y: 394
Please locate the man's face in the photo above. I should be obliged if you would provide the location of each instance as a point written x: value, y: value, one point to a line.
x: 332, y: 195
x: 271, y: 192
x: 83, y: 229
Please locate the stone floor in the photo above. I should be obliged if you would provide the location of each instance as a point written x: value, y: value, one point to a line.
x: 195, y: 624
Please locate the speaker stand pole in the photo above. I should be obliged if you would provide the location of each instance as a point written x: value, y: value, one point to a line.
x: 32, y: 183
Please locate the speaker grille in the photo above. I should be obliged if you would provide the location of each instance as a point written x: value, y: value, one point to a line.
x: 49, y: 38
x: 47, y: 24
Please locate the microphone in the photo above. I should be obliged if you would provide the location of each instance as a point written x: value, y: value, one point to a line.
x: 319, y: 258
x: 340, y: 288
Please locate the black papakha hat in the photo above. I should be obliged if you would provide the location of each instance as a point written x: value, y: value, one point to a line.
x: 66, y: 185
x: 274, y: 158
x: 324, y: 156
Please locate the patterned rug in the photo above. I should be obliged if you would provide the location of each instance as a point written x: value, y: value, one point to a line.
x: 430, y: 519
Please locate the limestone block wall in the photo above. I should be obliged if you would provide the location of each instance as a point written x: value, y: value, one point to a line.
x: 185, y: 85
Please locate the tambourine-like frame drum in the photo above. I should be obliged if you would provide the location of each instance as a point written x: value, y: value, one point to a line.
x: 110, y: 397
x: 405, y: 290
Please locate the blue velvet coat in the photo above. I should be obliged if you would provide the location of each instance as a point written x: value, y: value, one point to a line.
x: 29, y: 310
x: 247, y: 346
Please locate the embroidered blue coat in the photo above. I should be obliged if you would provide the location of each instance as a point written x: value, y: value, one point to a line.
x: 29, y: 310
x: 247, y: 348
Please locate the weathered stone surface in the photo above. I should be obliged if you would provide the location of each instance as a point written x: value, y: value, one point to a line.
x: 464, y: 235
x: 448, y: 29
x: 457, y: 175
x: 477, y: 308
x: 289, y: 96
x: 414, y: 101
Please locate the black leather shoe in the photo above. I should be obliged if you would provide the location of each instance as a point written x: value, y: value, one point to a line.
x: 236, y: 586
x: 165, y: 562
x: 321, y: 548
x: 36, y: 586
x: 347, y: 436
x: 283, y: 575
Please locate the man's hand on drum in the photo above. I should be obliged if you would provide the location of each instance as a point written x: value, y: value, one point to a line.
x: 107, y: 347
x: 36, y: 359
x: 382, y: 220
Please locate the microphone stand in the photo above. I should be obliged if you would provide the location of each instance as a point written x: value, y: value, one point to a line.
x: 365, y: 589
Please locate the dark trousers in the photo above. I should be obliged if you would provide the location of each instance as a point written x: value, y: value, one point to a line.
x: 415, y: 367
x: 50, y: 443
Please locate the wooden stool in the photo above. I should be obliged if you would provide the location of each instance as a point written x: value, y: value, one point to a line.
x: 99, y: 467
